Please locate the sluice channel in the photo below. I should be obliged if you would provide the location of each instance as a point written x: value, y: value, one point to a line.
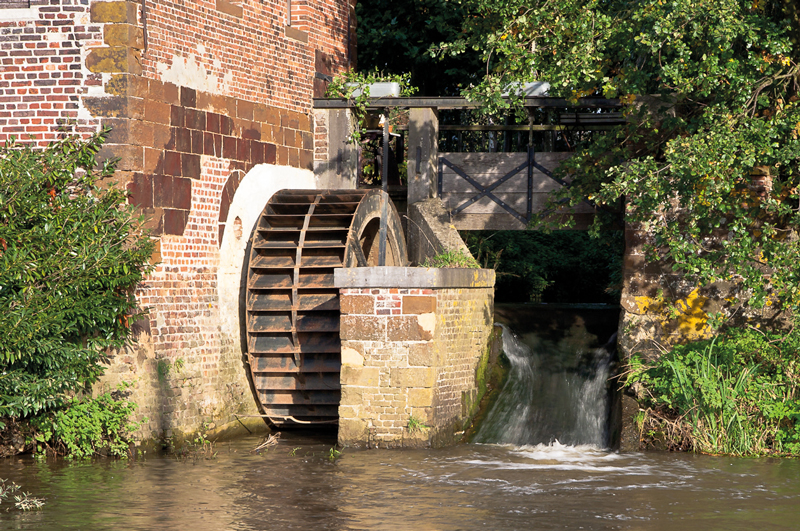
x: 559, y: 386
x: 551, y: 395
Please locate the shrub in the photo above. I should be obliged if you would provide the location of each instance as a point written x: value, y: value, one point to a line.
x: 87, y: 427
x: 71, y: 254
x: 453, y: 258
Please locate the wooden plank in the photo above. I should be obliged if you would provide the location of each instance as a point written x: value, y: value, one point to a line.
x: 293, y: 397
x: 308, y: 343
x: 269, y: 300
x: 300, y: 412
x: 518, y: 201
x: 270, y: 321
x: 285, y: 364
x: 288, y: 382
x: 317, y: 322
x: 506, y: 222
x: 519, y: 183
x: 318, y: 301
x: 276, y: 278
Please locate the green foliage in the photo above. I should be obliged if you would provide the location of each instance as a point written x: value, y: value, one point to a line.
x: 334, y: 454
x: 415, y: 424
x: 71, y: 254
x: 22, y: 501
x: 85, y: 427
x: 739, y: 393
x: 563, y: 266
x: 348, y: 83
x: 452, y: 258
x: 395, y: 37
x: 725, y: 78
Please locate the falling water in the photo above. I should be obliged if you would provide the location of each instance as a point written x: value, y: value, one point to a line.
x: 554, y: 392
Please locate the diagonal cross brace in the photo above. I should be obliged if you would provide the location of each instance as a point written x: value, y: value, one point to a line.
x: 559, y: 181
x: 487, y: 191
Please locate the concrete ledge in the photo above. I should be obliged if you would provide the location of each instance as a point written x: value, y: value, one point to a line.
x: 413, y: 277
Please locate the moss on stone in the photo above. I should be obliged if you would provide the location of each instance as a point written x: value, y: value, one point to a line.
x: 490, y: 377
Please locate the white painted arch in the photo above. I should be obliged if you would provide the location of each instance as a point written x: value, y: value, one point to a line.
x: 255, y: 190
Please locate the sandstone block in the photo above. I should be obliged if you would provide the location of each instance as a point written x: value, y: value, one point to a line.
x: 359, y: 376
x: 113, y: 12
x: 353, y: 397
x: 411, y: 328
x: 420, y: 397
x: 362, y: 328
x: 357, y: 304
x: 413, y: 377
x: 349, y: 412
x: 421, y: 354
x: 417, y: 305
x: 353, y: 432
x: 424, y: 415
x: 351, y: 356
x: 114, y: 59
x: 124, y: 35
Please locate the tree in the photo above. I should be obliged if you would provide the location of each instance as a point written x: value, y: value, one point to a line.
x: 71, y: 254
x: 394, y: 38
x: 710, y: 90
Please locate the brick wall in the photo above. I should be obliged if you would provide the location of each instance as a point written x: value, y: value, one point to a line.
x: 412, y: 353
x: 197, y: 94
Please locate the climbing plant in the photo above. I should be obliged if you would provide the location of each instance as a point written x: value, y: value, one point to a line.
x: 71, y: 254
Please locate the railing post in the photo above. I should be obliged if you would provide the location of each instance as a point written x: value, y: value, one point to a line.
x: 531, y: 160
x: 423, y: 133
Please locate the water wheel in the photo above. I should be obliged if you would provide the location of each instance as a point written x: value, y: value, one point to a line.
x: 292, y: 305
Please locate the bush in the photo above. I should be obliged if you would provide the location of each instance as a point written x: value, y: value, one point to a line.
x: 736, y: 394
x: 71, y: 254
x: 87, y: 427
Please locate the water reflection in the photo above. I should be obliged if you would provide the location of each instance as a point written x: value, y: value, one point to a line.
x: 467, y: 487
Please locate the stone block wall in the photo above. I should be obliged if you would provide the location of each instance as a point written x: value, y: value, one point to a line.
x: 648, y: 323
x: 410, y: 353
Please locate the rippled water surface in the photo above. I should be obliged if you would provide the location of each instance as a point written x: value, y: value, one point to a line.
x: 294, y: 485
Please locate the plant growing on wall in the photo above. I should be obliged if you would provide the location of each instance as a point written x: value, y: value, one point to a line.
x: 71, y: 255
x: 710, y: 92
x: 355, y: 86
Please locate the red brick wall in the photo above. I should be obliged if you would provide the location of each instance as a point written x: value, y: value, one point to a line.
x: 197, y: 93
x: 43, y: 77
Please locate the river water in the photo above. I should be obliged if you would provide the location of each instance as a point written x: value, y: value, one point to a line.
x: 510, y: 484
x: 472, y: 486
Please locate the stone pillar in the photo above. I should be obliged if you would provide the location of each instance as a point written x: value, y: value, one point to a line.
x: 412, y: 343
x: 336, y: 158
x: 423, y: 154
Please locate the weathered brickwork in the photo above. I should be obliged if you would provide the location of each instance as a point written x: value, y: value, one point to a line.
x: 196, y: 94
x: 409, y: 358
x: 43, y: 74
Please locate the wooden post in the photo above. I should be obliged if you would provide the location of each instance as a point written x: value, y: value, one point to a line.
x: 423, y: 154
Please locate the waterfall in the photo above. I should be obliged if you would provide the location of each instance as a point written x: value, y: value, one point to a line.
x: 554, y: 392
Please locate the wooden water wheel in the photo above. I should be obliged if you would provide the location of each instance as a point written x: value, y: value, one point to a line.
x: 293, y: 342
